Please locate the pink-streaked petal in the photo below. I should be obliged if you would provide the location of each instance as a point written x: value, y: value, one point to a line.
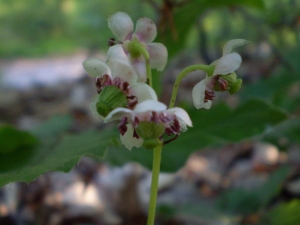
x: 118, y: 113
x: 198, y: 95
x: 120, y: 24
x: 96, y: 67
x: 117, y: 52
x: 143, y: 92
x: 122, y: 70
x: 158, y: 55
x: 145, y: 30
x: 139, y: 67
x: 149, y: 105
x: 128, y: 140
x: 181, y: 114
x: 94, y: 108
x: 228, y: 63
x: 233, y: 44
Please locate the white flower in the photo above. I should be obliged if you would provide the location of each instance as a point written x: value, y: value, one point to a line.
x: 121, y: 26
x: 172, y: 121
x: 203, y: 92
x: 119, y: 73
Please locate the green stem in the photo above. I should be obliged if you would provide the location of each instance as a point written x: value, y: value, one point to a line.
x: 154, y: 184
x: 207, y: 68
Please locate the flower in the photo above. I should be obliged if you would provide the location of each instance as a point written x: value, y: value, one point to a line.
x: 223, y: 77
x: 116, y: 84
x: 121, y: 26
x: 147, y: 122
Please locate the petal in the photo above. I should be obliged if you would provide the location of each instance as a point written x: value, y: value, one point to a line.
x: 228, y: 63
x: 143, y: 92
x: 158, y: 55
x: 96, y: 67
x: 139, y: 67
x: 117, y: 52
x: 120, y: 24
x: 198, y: 96
x: 145, y: 30
x: 122, y: 70
x: 181, y: 114
x: 94, y: 108
x: 233, y: 44
x: 149, y: 105
x: 128, y: 140
x: 118, y: 113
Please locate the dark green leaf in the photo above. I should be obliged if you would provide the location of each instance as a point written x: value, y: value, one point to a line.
x: 60, y: 158
x: 13, y: 140
x: 16, y: 147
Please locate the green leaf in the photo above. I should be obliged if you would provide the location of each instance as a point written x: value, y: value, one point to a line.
x: 220, y: 124
x: 286, y: 133
x: 61, y: 157
x: 16, y: 147
x: 245, y: 202
x: 52, y: 128
x: 273, y: 185
x: 13, y: 140
x: 283, y: 214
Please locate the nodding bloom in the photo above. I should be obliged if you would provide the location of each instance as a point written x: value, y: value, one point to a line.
x: 117, y: 84
x: 145, y: 32
x: 223, y: 77
x: 147, y: 122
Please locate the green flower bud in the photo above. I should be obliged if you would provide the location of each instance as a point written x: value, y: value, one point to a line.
x: 134, y: 48
x: 236, y: 86
x: 109, y: 99
x: 231, y: 78
x: 150, y: 133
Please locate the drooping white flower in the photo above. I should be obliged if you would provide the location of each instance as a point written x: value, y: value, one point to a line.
x: 118, y: 74
x: 145, y: 32
x: 148, y: 120
x: 222, y: 76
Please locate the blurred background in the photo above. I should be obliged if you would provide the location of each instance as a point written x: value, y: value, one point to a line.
x: 241, y: 179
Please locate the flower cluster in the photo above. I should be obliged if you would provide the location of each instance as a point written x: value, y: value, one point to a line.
x: 223, y: 77
x: 123, y: 93
x: 124, y: 84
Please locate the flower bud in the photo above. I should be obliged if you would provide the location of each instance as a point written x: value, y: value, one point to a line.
x: 236, y: 86
x: 150, y: 133
x: 230, y: 78
x: 110, y: 98
x: 133, y: 47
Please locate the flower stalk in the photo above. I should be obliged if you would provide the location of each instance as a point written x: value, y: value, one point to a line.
x: 208, y: 69
x: 154, y: 184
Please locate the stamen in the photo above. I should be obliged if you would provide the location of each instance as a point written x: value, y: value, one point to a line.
x: 164, y: 118
x: 135, y: 134
x: 136, y: 121
x: 111, y: 42
x: 176, y: 126
x: 126, y: 87
x: 102, y: 81
x: 223, y: 84
x: 117, y: 82
x: 131, y: 101
x: 122, y: 125
x: 209, y: 95
x: 154, y: 117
